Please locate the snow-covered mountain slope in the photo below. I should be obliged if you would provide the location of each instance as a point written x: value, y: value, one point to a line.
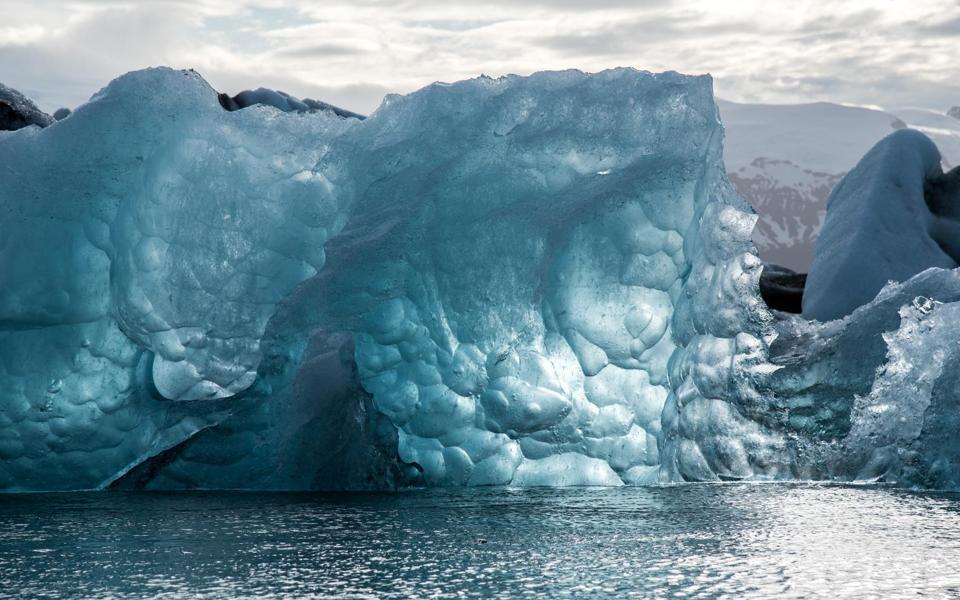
x: 942, y: 128
x: 785, y: 160
x: 820, y: 136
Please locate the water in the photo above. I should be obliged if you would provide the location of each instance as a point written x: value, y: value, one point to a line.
x: 695, y: 541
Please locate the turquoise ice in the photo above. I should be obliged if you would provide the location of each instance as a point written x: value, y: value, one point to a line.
x: 541, y: 280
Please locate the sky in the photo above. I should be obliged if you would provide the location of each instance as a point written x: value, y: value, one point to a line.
x: 873, y: 53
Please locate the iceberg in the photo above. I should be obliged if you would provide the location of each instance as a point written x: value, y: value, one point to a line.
x: 509, y: 266
x: 17, y: 111
x: 144, y: 241
x: 281, y: 101
x: 881, y: 227
x: 872, y: 396
x: 514, y: 284
x: 542, y: 280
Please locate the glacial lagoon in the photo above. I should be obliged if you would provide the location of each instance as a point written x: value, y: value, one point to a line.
x: 687, y: 540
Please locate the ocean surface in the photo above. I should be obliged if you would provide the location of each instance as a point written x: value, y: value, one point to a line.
x: 691, y: 541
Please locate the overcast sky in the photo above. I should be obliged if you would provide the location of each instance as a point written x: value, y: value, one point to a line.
x: 878, y: 52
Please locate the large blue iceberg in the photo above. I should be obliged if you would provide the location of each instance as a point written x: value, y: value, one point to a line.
x: 541, y: 280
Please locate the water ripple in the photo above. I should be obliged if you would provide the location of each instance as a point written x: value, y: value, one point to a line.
x: 690, y: 541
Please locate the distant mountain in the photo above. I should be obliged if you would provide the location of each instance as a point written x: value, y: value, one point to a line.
x: 785, y: 160
x: 942, y: 128
x: 791, y: 202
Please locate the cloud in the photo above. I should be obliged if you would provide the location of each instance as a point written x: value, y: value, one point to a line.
x: 625, y: 37
x: 947, y: 27
x: 320, y: 51
x: 20, y: 36
x: 351, y: 53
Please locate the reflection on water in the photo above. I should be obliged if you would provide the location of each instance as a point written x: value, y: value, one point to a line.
x: 689, y: 540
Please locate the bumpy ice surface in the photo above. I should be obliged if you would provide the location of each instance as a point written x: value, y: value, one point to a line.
x: 527, y: 281
x: 515, y: 277
x: 512, y: 265
x: 144, y: 242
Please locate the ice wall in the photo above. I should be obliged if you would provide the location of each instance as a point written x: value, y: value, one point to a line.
x: 518, y: 307
x: 540, y: 280
x: 525, y: 258
x: 143, y: 244
x: 514, y: 262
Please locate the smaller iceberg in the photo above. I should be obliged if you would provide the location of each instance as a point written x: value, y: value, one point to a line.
x: 281, y: 101
x: 892, y: 217
x: 17, y: 111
